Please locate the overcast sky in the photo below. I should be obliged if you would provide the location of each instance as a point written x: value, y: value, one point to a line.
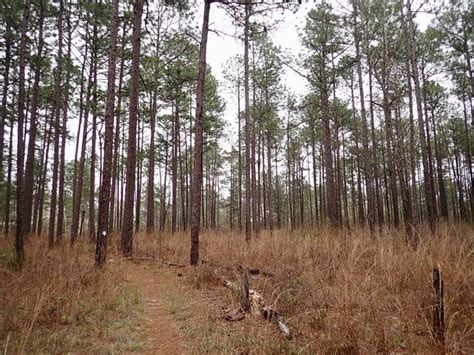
x: 222, y: 47
x: 284, y: 34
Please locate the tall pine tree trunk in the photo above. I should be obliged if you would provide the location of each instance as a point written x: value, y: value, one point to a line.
x: 62, y: 166
x: 328, y: 161
x: 270, y: 183
x: 150, y: 204
x: 8, y: 195
x: 30, y: 156
x: 57, y: 114
x: 77, y: 194
x: 115, y: 178
x: 427, y: 174
x: 248, y: 197
x: 127, y: 229
x: 412, y: 124
x: 6, y: 81
x: 174, y: 169
x: 239, y: 135
x: 198, y: 129
x: 139, y: 180
x: 91, y: 219
x: 371, y: 211
x: 19, y: 236
x: 104, y: 193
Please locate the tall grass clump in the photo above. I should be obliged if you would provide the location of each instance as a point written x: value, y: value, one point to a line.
x: 348, y: 291
x: 59, y: 303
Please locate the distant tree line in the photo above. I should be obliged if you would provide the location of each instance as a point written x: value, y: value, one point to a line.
x: 383, y: 138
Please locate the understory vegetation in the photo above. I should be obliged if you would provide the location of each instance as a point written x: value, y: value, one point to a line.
x: 58, y: 303
x: 340, y: 291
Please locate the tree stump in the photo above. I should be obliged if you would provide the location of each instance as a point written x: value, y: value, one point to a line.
x: 252, y: 302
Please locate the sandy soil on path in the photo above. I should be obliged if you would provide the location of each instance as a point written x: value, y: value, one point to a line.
x: 162, y: 336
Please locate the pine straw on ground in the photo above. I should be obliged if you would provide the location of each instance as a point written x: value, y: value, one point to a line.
x: 342, y: 292
x: 59, y: 303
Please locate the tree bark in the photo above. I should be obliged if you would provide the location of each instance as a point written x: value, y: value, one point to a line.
x: 127, y: 230
x: 413, y: 189
x: 375, y: 168
x: 8, y: 194
x: 91, y: 219
x: 371, y: 212
x: 139, y: 178
x: 103, y: 225
x: 248, y: 198
x: 19, y: 236
x: 174, y: 169
x: 270, y: 183
x: 198, y: 128
x: 328, y: 161
x: 30, y: 156
x: 6, y: 81
x: 62, y: 165
x: 118, y: 114
x: 150, y: 213
x: 81, y: 123
x: 77, y: 195
x: 57, y: 113
x: 163, y: 207
x: 239, y: 135
x: 443, y: 199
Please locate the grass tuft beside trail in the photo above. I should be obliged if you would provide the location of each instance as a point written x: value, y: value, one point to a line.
x: 59, y: 303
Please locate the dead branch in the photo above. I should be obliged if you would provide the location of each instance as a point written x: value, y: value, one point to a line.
x: 159, y: 260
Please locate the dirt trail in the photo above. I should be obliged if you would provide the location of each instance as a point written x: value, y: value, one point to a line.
x: 162, y: 336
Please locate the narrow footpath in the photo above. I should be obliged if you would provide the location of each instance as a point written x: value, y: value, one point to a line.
x: 162, y: 336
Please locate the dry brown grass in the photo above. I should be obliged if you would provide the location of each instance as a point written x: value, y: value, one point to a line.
x: 345, y: 292
x: 59, y: 303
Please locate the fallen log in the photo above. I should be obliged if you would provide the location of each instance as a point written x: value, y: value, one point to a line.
x: 256, y: 305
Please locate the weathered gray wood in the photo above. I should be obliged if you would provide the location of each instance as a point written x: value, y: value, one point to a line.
x: 257, y: 306
x: 273, y: 316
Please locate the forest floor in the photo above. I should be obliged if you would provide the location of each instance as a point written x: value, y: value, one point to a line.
x: 59, y: 303
x: 341, y: 292
x: 184, y: 312
x: 152, y: 283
